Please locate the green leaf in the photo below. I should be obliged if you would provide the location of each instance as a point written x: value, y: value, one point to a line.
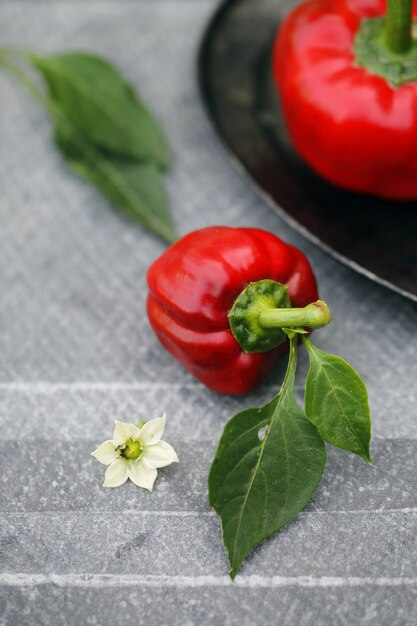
x: 102, y: 105
x: 132, y: 184
x: 135, y: 188
x: 336, y: 401
x: 267, y: 466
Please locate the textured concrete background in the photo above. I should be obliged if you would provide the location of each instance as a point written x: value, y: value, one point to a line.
x: 76, y: 353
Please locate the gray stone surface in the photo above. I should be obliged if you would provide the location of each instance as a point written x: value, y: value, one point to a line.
x: 55, y: 471
x: 76, y: 353
x: 301, y: 603
x: 334, y: 544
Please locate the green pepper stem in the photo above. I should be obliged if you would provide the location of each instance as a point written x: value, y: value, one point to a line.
x: 314, y: 315
x: 398, y: 23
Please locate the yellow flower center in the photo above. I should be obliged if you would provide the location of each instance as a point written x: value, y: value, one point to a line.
x: 133, y: 449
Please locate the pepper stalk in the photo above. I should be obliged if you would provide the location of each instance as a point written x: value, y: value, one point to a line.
x: 262, y: 314
x: 385, y: 46
x: 314, y: 315
x: 398, y: 24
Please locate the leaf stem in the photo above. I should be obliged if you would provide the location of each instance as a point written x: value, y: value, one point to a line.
x: 314, y: 315
x: 289, y: 377
x: 20, y: 77
x: 17, y: 51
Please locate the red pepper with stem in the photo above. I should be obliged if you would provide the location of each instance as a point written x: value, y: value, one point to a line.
x: 220, y: 301
x: 194, y: 304
x: 346, y: 71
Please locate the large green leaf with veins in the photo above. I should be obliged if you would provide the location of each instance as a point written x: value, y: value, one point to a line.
x: 267, y: 466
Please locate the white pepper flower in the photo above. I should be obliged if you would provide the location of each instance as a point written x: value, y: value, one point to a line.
x: 135, y: 452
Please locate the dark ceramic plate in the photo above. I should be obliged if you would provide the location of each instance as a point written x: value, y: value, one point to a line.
x: 374, y: 237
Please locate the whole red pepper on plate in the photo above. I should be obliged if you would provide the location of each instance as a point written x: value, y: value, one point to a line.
x: 194, y: 285
x: 346, y: 71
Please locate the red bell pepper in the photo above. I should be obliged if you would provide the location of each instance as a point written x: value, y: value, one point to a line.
x: 347, y: 77
x: 194, y: 285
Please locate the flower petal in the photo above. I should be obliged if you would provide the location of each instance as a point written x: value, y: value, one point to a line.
x: 107, y: 452
x: 160, y: 454
x: 152, y: 431
x: 142, y: 475
x: 124, y: 431
x: 116, y: 474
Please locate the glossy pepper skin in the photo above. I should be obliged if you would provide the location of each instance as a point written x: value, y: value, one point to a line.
x: 193, y: 286
x: 351, y: 126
